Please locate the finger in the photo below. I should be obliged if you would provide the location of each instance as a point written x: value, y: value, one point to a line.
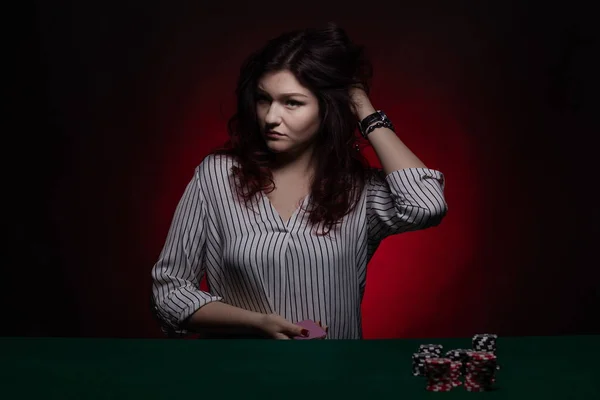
x: 296, y: 330
x: 280, y: 336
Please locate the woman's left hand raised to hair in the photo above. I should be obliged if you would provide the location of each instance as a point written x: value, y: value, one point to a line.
x: 361, y: 105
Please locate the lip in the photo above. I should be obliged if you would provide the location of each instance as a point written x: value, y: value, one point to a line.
x: 275, y: 134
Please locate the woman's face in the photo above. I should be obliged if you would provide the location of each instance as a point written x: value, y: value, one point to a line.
x: 285, y: 106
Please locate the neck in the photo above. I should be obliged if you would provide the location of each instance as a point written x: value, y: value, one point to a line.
x: 292, y: 164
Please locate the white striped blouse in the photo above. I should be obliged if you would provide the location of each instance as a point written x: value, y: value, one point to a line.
x: 258, y: 262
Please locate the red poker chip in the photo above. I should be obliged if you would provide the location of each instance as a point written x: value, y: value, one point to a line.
x: 439, y: 388
x: 482, y: 371
x: 439, y: 361
x: 482, y: 355
x: 437, y: 369
x: 477, y: 379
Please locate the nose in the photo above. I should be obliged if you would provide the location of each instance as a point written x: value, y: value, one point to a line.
x: 273, y: 116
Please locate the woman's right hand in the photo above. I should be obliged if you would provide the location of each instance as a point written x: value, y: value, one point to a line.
x: 275, y: 326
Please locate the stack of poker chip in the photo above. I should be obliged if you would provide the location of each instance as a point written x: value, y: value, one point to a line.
x: 442, y: 374
x: 485, y: 342
x: 480, y: 371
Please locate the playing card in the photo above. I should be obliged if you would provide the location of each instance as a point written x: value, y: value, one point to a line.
x: 314, y: 330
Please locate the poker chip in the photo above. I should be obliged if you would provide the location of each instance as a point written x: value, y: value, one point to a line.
x: 460, y: 355
x: 440, y: 375
x: 474, y: 388
x: 431, y: 348
x: 480, y: 371
x: 439, y: 388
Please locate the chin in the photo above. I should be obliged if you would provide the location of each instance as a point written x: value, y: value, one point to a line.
x: 277, y: 148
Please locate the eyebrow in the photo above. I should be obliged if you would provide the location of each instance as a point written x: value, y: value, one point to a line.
x: 284, y: 94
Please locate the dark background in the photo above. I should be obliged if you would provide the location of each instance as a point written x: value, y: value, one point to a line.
x: 115, y: 104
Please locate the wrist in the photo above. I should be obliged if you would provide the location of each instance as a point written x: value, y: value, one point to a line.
x: 364, y: 111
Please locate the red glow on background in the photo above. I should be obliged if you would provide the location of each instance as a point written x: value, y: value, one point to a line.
x: 123, y: 116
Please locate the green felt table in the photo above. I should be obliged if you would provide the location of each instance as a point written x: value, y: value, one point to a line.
x: 546, y: 367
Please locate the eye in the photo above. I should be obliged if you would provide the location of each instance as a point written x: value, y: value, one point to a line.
x: 293, y: 103
x: 261, y: 98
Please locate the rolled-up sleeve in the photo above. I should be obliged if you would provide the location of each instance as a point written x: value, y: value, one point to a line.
x: 405, y: 200
x: 177, y: 273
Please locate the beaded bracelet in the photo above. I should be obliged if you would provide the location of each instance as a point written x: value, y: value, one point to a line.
x: 379, y: 125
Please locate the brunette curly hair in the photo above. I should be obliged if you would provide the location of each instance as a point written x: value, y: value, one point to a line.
x: 328, y: 63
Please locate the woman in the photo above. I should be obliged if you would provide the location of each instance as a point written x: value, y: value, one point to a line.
x: 284, y: 219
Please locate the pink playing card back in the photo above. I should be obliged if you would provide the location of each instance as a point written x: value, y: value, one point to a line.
x: 314, y: 330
